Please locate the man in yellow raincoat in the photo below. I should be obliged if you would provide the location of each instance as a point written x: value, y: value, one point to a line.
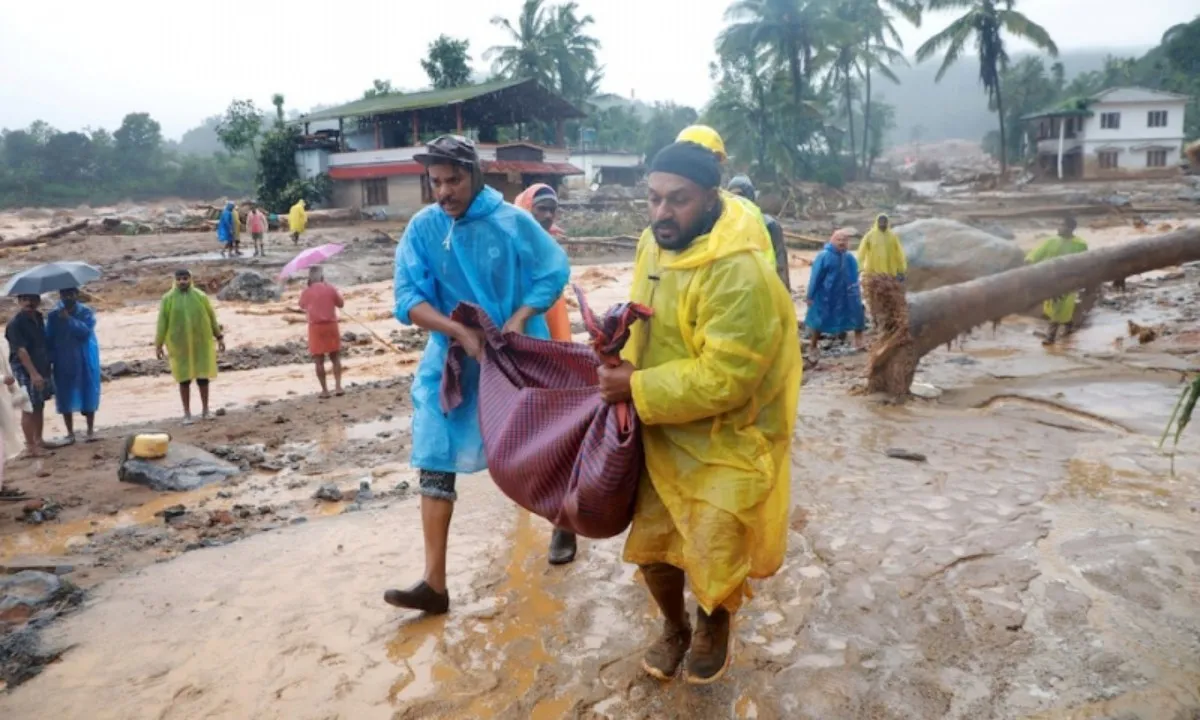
x: 1061, y: 310
x: 715, y: 377
x: 882, y: 265
x: 187, y: 326
x: 297, y: 221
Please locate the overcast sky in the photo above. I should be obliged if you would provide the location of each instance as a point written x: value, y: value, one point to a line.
x: 75, y: 63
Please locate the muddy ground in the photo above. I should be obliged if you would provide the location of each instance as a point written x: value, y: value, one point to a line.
x: 1041, y: 562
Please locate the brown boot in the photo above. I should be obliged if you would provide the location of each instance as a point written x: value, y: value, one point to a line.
x: 711, y: 649
x: 664, y: 657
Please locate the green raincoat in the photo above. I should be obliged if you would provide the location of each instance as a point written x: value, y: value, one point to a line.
x: 188, y: 327
x: 1059, y: 310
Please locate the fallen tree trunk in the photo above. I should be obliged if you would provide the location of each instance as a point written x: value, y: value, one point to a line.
x: 938, y: 316
x: 45, y: 235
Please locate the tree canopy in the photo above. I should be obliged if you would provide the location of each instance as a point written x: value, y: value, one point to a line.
x: 449, y: 63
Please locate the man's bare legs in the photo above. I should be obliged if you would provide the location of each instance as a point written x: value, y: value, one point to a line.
x: 336, y: 359
x: 185, y: 396
x: 90, y: 417
x: 319, y: 362
x: 202, y: 384
x: 31, y: 424
x: 69, y: 423
x: 437, y: 507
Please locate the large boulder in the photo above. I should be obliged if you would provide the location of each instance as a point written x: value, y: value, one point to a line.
x: 185, y: 467
x: 250, y: 286
x: 947, y: 252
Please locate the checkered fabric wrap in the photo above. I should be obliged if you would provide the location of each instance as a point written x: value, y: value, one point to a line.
x: 553, y: 446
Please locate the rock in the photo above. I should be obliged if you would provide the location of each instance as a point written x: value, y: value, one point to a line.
x: 945, y: 252
x: 926, y: 391
x: 221, y: 412
x: 328, y: 492
x: 220, y: 517
x: 349, y: 337
x: 899, y: 454
x: 1117, y: 200
x: 120, y: 369
x: 28, y: 592
x: 185, y: 467
x: 995, y: 228
x: 250, y: 286
x: 364, y: 491
x: 172, y: 512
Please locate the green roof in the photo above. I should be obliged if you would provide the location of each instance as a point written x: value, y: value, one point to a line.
x: 506, y: 91
x: 1071, y: 107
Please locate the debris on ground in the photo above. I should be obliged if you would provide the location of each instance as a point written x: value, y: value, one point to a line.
x: 250, y: 286
x: 185, y: 467
x: 909, y: 455
x: 329, y: 493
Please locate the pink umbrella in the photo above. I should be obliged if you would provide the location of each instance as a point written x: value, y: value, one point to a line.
x: 308, y: 258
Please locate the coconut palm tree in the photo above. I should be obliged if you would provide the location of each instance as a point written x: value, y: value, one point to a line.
x: 790, y: 29
x: 985, y: 22
x: 277, y: 101
x: 530, y: 53
x: 573, y: 52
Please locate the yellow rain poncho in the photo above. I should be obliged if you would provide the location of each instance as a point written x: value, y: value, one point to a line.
x: 188, y: 327
x: 1059, y: 310
x: 297, y: 217
x: 880, y: 253
x: 716, y: 390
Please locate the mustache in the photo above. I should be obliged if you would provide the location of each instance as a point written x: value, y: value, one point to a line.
x: 666, y: 225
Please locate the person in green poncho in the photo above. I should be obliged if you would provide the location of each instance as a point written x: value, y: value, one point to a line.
x: 1060, y: 310
x: 188, y: 327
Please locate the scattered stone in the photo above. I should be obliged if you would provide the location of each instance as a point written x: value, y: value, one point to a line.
x: 280, y: 420
x: 298, y: 520
x: 349, y: 337
x: 329, y: 492
x: 926, y: 391
x: 220, y: 517
x: 220, y: 412
x: 364, y: 491
x: 250, y: 286
x: 900, y: 454
x: 29, y: 592
x: 185, y: 467
x: 172, y: 512
x: 1117, y: 200
x: 120, y: 369
x: 224, y: 494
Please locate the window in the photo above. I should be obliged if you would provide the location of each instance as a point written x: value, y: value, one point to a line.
x: 1156, y: 118
x: 375, y: 192
x: 1108, y: 159
x: 1110, y: 121
x: 1156, y: 158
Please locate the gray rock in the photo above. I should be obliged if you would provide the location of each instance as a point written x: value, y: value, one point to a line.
x: 185, y: 467
x: 328, y: 492
x: 28, y: 592
x: 945, y: 252
x: 119, y: 369
x: 250, y: 286
x: 1117, y: 200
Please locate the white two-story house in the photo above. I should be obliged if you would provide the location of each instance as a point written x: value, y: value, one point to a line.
x: 1119, y: 132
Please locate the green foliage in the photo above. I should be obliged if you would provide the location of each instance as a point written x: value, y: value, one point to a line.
x: 277, y: 171
x: 664, y: 125
x: 550, y: 44
x: 240, y: 126
x: 42, y: 166
x: 448, y: 64
x: 617, y: 128
x: 379, y: 87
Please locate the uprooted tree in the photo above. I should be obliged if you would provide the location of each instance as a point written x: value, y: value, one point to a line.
x: 936, y: 317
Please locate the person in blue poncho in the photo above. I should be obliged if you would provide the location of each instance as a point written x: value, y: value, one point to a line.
x: 834, y: 299
x: 75, y: 358
x: 227, y: 230
x: 470, y: 247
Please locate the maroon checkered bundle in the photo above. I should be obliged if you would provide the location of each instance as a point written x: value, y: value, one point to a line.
x: 553, y: 446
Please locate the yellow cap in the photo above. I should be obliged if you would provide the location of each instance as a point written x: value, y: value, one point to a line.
x: 705, y: 136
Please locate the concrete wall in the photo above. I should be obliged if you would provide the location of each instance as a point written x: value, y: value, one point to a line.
x: 590, y: 164
x: 1131, y: 159
x: 404, y: 195
x: 1134, y: 125
x: 311, y: 163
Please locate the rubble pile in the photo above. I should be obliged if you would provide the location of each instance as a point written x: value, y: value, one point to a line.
x: 952, y: 162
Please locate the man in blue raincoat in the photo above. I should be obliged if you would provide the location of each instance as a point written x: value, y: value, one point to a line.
x: 75, y: 356
x: 227, y: 230
x: 470, y: 247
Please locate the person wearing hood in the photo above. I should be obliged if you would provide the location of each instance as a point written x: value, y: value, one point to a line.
x: 227, y: 230
x: 541, y: 201
x: 1059, y: 311
x: 741, y: 186
x: 714, y: 376
x: 833, y: 297
x: 189, y: 337
x: 297, y: 221
x: 883, y: 266
x: 75, y: 357
x: 469, y: 247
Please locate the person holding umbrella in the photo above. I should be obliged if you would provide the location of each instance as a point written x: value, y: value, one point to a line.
x: 187, y: 327
x: 30, y: 361
x: 29, y: 353
x: 320, y: 302
x: 75, y: 358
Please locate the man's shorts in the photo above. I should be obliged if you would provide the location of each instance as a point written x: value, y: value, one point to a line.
x: 37, y: 397
x: 436, y: 484
x: 256, y: 237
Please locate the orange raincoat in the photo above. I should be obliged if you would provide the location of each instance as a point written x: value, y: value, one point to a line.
x: 556, y: 316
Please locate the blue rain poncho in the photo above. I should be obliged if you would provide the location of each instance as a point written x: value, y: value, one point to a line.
x: 75, y: 354
x: 225, y: 226
x: 496, y: 257
x: 835, y: 302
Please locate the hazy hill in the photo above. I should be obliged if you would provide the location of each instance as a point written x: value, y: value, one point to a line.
x: 957, y: 106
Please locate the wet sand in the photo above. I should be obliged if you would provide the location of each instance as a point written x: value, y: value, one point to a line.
x: 1042, y: 562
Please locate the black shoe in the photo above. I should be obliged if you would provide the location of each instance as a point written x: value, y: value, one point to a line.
x: 562, y: 547
x: 419, y: 597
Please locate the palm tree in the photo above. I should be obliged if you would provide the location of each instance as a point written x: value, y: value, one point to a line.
x: 574, y: 52
x: 984, y: 21
x: 790, y: 29
x: 277, y: 101
x: 529, y: 55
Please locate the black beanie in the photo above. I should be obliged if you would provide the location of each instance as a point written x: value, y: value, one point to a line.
x: 689, y: 160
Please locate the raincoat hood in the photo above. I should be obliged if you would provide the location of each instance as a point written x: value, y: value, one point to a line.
x: 737, y: 230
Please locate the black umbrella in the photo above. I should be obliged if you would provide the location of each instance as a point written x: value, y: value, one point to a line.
x: 50, y: 277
